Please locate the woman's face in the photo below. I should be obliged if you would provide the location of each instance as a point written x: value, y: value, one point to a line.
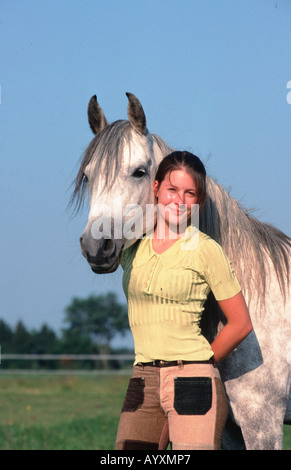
x: 178, y: 192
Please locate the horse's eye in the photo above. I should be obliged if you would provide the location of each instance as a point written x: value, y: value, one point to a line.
x: 139, y: 173
x: 85, y: 179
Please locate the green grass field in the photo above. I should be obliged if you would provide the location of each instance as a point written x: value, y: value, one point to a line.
x: 64, y: 412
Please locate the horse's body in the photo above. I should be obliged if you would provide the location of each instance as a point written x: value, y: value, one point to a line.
x: 119, y: 168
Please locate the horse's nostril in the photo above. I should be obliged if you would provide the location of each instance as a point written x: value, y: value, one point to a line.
x: 82, y: 248
x: 108, y: 245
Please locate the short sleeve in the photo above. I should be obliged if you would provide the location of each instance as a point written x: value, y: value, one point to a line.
x: 217, y: 271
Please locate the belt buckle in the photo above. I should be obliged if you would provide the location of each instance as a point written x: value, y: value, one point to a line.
x: 159, y: 363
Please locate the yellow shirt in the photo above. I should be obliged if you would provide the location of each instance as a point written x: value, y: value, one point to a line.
x: 166, y: 294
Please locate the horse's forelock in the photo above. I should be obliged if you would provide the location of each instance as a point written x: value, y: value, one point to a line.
x: 104, y: 151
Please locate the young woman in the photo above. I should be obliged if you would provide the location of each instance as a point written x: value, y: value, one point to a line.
x: 175, y: 393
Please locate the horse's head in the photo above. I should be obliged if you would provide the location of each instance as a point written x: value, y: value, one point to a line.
x: 118, y: 168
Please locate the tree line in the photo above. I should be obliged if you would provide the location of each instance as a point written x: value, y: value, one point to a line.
x: 91, y: 325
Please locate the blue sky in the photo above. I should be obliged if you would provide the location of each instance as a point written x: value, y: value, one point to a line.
x: 212, y: 77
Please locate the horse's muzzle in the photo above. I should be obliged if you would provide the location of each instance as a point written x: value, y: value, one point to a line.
x: 103, y: 255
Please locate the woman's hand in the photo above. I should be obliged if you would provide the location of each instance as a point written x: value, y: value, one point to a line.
x: 238, y: 326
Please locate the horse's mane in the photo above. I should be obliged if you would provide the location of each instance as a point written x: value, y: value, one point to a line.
x: 246, y: 241
x: 163, y: 146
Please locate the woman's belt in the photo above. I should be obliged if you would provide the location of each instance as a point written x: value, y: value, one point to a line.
x: 160, y: 363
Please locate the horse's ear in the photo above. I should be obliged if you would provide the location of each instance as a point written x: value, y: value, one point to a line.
x: 136, y: 113
x: 96, y: 118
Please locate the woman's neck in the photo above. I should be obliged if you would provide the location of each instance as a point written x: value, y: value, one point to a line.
x: 164, y: 238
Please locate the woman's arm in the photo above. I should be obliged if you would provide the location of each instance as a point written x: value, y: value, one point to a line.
x: 238, y: 326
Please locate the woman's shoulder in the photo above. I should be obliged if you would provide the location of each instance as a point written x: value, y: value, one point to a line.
x: 208, y: 245
x: 207, y: 250
x: 211, y: 254
x: 202, y: 241
x: 205, y: 241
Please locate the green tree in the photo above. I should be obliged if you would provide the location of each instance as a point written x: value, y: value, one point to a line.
x: 21, y: 341
x: 21, y: 344
x: 44, y: 341
x: 98, y: 318
x: 6, y: 335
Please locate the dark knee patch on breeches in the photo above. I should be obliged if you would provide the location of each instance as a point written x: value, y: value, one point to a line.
x: 129, y: 444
